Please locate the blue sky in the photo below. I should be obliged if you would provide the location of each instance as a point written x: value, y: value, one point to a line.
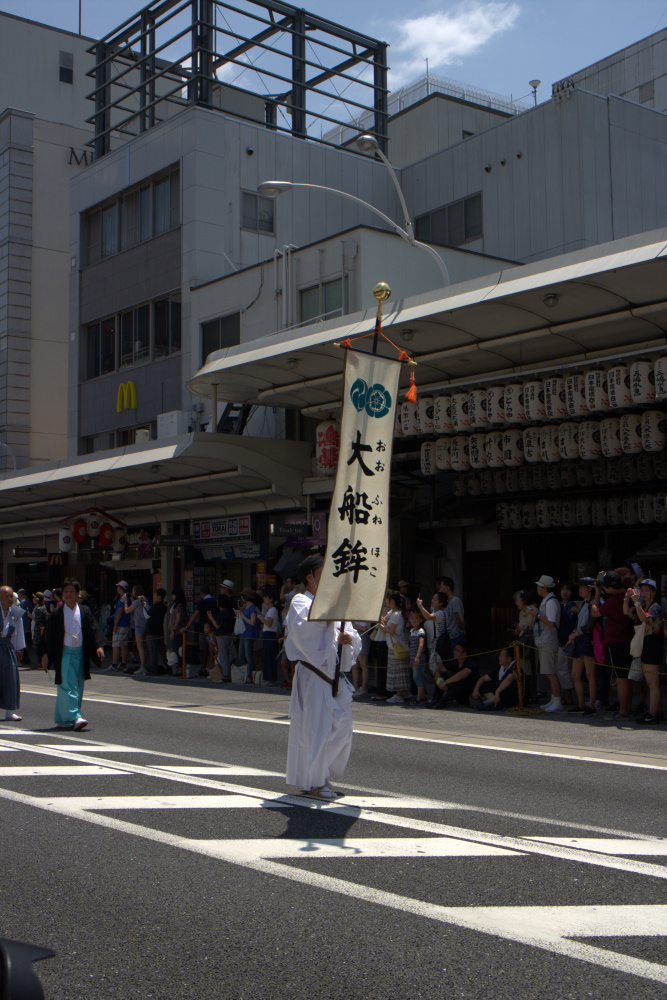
x: 498, y: 45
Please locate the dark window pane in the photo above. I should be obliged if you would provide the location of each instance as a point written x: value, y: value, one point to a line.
x: 456, y: 224
x: 175, y: 198
x: 439, y: 232
x: 92, y: 351
x: 230, y: 330
x: 175, y: 326
x: 142, y: 333
x: 423, y: 228
x: 473, y: 216
x: 108, y: 351
x: 249, y: 220
x: 310, y: 304
x: 161, y: 206
x: 109, y: 230
x: 333, y: 299
x: 129, y: 221
x: 210, y: 338
x: 145, y: 213
x: 93, y: 227
x: 126, y: 339
x: 265, y: 215
x: 66, y: 75
x: 161, y: 334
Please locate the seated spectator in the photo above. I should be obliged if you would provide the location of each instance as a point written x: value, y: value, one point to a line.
x: 498, y: 688
x: 455, y: 680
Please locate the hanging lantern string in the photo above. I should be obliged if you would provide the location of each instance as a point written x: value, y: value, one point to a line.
x: 347, y: 343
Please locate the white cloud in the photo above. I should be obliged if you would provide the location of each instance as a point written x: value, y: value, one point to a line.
x: 446, y: 37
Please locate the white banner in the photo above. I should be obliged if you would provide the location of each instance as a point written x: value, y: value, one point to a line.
x: 354, y: 577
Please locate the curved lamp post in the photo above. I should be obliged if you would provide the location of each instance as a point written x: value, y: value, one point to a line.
x: 271, y: 189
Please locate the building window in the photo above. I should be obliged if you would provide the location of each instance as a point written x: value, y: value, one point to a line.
x: 150, y: 331
x: 166, y: 327
x: 117, y: 439
x: 225, y: 331
x: 321, y: 302
x: 257, y: 213
x: 135, y: 216
x: 453, y: 224
x: 66, y: 67
x: 100, y: 348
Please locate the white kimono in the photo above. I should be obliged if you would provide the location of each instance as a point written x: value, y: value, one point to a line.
x: 320, y: 735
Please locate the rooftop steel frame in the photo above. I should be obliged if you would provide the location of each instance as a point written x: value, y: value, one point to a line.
x: 167, y: 57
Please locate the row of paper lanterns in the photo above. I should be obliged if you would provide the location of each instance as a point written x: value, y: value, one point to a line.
x: 556, y: 398
x: 612, y: 437
x: 92, y: 527
x: 566, y: 476
x: 550, y: 512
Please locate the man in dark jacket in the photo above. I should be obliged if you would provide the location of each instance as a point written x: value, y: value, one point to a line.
x: 72, y: 638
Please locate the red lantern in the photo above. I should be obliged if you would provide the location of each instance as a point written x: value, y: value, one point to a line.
x: 79, y: 531
x: 106, y: 535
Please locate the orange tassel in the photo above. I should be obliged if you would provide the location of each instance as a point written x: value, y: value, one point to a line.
x: 411, y: 394
x: 346, y: 343
x: 403, y: 356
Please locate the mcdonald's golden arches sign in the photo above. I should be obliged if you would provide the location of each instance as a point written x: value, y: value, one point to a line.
x: 127, y: 397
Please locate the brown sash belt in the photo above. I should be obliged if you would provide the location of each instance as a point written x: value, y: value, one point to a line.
x: 309, y: 666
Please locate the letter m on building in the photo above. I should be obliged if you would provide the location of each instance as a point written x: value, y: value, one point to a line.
x: 127, y: 397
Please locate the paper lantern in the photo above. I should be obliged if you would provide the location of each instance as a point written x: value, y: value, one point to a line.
x: 539, y: 477
x: 531, y: 444
x: 584, y: 471
x: 425, y: 415
x: 327, y: 447
x: 533, y: 398
x: 500, y: 480
x: 554, y: 398
x: 513, y: 446
x: 93, y: 525
x: 614, y: 472
x: 528, y: 516
x: 477, y: 408
x: 568, y: 474
x: 477, y: 451
x: 442, y: 414
x: 65, y: 540
x: 398, y: 426
x: 575, y: 395
x: 513, y: 481
x: 516, y: 521
x: 642, y: 382
x: 427, y: 458
x: 618, y: 386
x: 474, y: 486
x: 644, y: 467
x: 614, y: 511
x: 525, y: 478
x: 486, y: 482
x: 568, y: 440
x: 515, y: 412
x: 660, y: 508
x: 629, y: 469
x: 503, y: 516
x: 583, y: 512
x: 459, y: 486
x: 493, y: 446
x: 569, y: 513
x: 554, y: 510
x: 610, y: 437
x: 549, y: 444
x: 495, y: 404
x: 589, y: 440
x: 542, y: 515
x: 443, y: 454
x: 631, y: 433
x: 460, y: 418
x: 552, y: 473
x: 460, y: 453
x: 106, y: 535
x: 660, y: 466
x: 409, y: 419
x: 646, y: 508
x: 599, y: 472
x: 599, y: 513
x: 630, y: 510
x: 597, y: 395
x: 79, y: 531
x: 654, y: 430
x: 119, y: 539
x: 660, y: 377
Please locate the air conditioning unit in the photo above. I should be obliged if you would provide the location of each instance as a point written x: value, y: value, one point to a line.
x: 171, y: 424
x: 142, y: 436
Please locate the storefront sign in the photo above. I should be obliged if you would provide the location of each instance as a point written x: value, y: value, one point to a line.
x: 356, y: 563
x: 221, y: 529
x: 174, y: 540
x: 22, y: 553
x: 296, y: 530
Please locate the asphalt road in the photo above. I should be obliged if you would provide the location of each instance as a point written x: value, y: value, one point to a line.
x: 161, y: 855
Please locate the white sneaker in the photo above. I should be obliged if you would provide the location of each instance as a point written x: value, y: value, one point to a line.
x: 553, y: 706
x: 396, y: 700
x: 547, y: 705
x: 359, y: 693
x: 80, y: 724
x: 12, y: 717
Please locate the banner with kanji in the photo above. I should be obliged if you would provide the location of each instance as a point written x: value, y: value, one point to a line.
x: 354, y: 577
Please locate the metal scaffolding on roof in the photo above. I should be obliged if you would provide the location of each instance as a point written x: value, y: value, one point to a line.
x: 174, y: 53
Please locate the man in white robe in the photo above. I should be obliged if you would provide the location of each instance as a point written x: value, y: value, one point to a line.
x: 12, y: 641
x: 320, y: 736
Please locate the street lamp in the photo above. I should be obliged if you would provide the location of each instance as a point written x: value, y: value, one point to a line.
x: 271, y: 189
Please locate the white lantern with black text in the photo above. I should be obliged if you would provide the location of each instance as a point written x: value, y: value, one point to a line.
x: 474, y: 485
x: 515, y: 412
x: 644, y: 467
x: 554, y: 398
x: 614, y: 511
x: 631, y: 433
x: 569, y: 513
x: 477, y: 450
x: 618, y: 386
x: 642, y: 382
x: 443, y: 454
x: 660, y: 466
x: 610, y: 437
x: 442, y: 414
x: 660, y: 378
x: 486, y: 482
x: 503, y: 516
x: 554, y: 510
x: 513, y: 447
x: 65, y: 540
x: 583, y: 512
x: 477, y: 408
x: 93, y: 525
x: 542, y: 515
x: 590, y: 446
x: 599, y: 513
x: 568, y: 440
x: 409, y: 419
x: 528, y: 516
x: 531, y: 444
x: 660, y: 508
x: 460, y: 419
x: 460, y: 453
x: 568, y: 474
x: 549, y: 443
x: 552, y: 473
x: 495, y: 404
x: 460, y: 486
x: 629, y: 469
x: 575, y: 395
x: 654, y: 430
x: 119, y: 539
x: 427, y: 458
x: 398, y: 424
x: 516, y: 522
x: 584, y: 471
x: 525, y: 478
x: 599, y: 470
x: 646, y: 508
x: 597, y: 394
x: 533, y: 399
x: 493, y: 446
x: 630, y: 511
x: 513, y: 480
x: 500, y: 480
x: 425, y: 415
x: 539, y: 476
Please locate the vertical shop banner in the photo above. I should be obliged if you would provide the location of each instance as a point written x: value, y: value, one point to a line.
x: 354, y: 577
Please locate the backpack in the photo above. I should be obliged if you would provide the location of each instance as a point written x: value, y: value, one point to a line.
x: 566, y: 626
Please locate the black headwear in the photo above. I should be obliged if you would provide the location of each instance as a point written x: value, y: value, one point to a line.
x: 309, y: 565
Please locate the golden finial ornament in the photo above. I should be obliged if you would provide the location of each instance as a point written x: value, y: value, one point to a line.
x: 382, y: 291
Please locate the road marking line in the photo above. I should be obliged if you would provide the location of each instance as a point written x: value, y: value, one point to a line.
x: 388, y: 819
x: 117, y: 802
x: 655, y: 847
x: 642, y: 761
x: 221, y: 769
x: 355, y: 847
x: 94, y: 748
x: 487, y: 920
x: 74, y: 770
